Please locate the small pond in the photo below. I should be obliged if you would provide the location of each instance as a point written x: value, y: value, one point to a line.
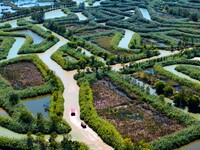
x: 132, y: 11
x: 13, y: 23
x: 145, y: 13
x: 139, y: 83
x: 15, y: 48
x: 81, y: 16
x: 54, y: 14
x: 171, y: 69
x: 71, y: 59
x: 38, y: 104
x: 85, y: 52
x: 31, y: 3
x: 36, y: 38
x: 126, y: 39
x: 157, y: 43
x: 196, y: 58
x: 150, y: 72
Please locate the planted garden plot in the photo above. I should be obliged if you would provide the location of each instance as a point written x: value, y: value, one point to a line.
x: 104, y: 42
x: 136, y: 119
x: 22, y: 75
x: 88, y: 32
x: 73, y: 26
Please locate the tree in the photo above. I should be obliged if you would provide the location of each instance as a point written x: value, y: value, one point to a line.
x: 128, y: 144
x: 159, y: 85
x: 82, y: 63
x: 66, y: 142
x: 72, y: 44
x: 38, y: 17
x: 26, y: 117
x: 162, y: 98
x: 40, y: 122
x: 193, y: 104
x: 142, y: 145
x: 81, y: 5
x: 54, y: 120
x: 41, y: 140
x: 180, y: 99
x: 50, y: 37
x: 30, y: 140
x: 168, y: 91
x: 52, y: 140
x: 14, y: 98
x: 194, y: 17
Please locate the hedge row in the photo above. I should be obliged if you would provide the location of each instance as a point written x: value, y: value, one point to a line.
x: 135, y: 41
x: 5, y: 45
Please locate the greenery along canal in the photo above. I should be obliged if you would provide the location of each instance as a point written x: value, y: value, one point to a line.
x: 85, y: 42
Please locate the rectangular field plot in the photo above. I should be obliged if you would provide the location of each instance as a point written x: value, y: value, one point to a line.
x: 133, y: 118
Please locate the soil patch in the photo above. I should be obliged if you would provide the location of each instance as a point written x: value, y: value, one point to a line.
x: 136, y: 120
x: 73, y: 26
x: 87, y: 32
x: 104, y: 42
x: 22, y: 75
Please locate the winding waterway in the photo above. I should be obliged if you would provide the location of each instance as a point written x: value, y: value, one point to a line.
x: 15, y: 48
x: 36, y: 38
x: 145, y: 13
x: 163, y: 53
x: 71, y: 97
x: 126, y: 39
x: 81, y: 16
x: 13, y: 23
x: 171, y: 69
x: 54, y: 14
x: 196, y: 58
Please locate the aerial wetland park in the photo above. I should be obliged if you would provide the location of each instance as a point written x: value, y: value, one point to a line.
x: 100, y: 74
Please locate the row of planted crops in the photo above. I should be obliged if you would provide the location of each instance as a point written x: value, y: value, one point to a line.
x: 122, y: 112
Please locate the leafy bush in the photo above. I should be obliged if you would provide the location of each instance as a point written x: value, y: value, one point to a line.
x: 5, y: 46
